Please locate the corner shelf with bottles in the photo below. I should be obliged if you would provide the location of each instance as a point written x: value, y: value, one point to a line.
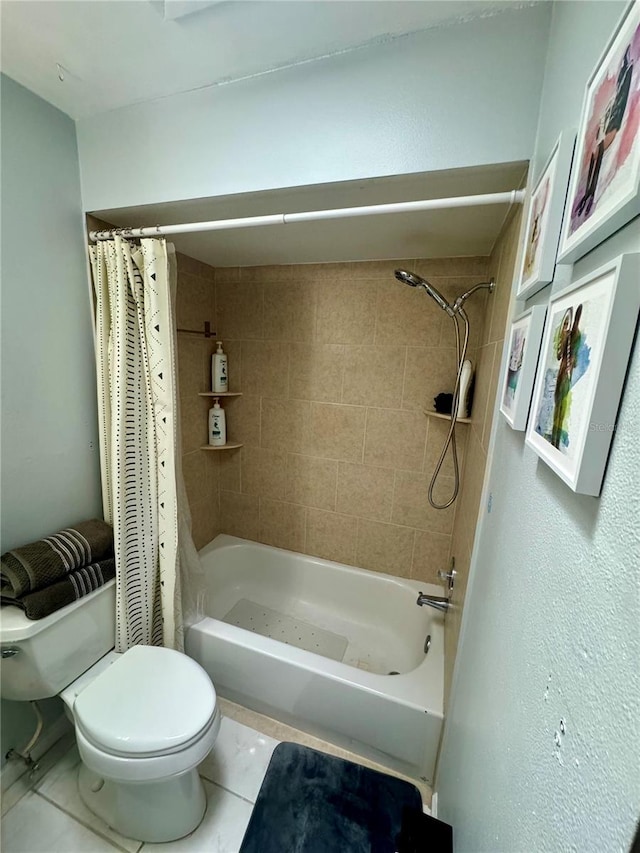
x: 217, y: 428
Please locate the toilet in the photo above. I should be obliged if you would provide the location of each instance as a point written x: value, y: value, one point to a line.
x: 144, y: 719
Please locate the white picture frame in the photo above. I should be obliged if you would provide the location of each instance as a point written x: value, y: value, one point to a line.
x: 544, y: 219
x: 588, y: 335
x: 604, y: 190
x: 519, y: 370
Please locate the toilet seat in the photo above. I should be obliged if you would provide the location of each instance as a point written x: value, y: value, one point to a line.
x: 147, y: 768
x: 149, y: 715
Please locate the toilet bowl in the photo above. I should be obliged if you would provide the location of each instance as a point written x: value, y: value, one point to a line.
x: 144, y: 721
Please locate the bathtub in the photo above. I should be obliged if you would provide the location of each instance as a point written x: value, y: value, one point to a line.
x: 313, y: 643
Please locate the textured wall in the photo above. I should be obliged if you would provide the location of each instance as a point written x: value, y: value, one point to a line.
x: 551, y: 629
x: 50, y: 466
x: 457, y: 96
x: 335, y: 363
x: 489, y: 360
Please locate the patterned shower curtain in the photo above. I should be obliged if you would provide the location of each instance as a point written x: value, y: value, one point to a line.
x: 135, y: 353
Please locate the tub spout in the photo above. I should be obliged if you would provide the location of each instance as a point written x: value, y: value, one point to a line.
x: 435, y: 601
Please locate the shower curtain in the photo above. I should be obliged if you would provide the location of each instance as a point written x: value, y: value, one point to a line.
x: 135, y: 356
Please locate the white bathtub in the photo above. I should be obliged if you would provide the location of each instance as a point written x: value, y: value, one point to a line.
x: 369, y: 624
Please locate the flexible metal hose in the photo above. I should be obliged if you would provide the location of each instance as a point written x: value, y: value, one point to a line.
x: 461, y: 353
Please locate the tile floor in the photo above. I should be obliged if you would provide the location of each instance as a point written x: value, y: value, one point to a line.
x: 46, y: 815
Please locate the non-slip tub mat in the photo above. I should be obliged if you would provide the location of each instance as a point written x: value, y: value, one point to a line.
x: 269, y: 623
x: 311, y: 802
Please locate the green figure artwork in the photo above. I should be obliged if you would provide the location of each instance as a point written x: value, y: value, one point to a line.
x: 567, y: 346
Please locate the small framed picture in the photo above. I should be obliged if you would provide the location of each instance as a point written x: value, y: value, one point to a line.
x: 544, y: 219
x: 604, y: 192
x: 585, y: 350
x: 520, y: 370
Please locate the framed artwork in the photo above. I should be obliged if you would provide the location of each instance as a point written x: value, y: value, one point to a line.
x: 544, y: 219
x: 587, y: 340
x: 604, y: 192
x: 520, y: 369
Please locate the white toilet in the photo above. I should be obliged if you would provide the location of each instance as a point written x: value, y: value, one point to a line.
x: 144, y: 719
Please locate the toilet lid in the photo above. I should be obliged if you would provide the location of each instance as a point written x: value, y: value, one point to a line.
x: 151, y: 700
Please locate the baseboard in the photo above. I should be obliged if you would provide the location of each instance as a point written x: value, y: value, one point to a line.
x: 52, y: 733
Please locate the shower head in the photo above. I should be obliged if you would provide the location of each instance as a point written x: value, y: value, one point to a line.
x: 414, y: 280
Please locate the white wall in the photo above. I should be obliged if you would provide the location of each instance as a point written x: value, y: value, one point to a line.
x: 463, y: 95
x: 50, y: 467
x: 552, y: 616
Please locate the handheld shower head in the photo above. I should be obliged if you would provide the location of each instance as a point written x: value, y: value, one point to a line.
x: 414, y: 280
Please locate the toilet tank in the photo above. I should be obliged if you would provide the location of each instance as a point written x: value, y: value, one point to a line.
x: 42, y: 656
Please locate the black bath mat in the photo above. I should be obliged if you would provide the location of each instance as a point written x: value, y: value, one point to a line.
x: 310, y: 802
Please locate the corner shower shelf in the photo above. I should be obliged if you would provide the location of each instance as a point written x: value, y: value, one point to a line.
x: 431, y: 414
x: 230, y: 445
x: 219, y: 393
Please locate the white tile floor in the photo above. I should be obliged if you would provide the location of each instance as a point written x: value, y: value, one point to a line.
x: 47, y: 815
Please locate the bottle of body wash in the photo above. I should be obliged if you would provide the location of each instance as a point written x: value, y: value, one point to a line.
x: 217, y: 426
x: 219, y: 375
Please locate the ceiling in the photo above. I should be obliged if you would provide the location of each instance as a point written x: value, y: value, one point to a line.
x: 443, y: 233
x: 91, y: 57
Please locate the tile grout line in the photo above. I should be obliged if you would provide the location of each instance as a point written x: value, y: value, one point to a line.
x: 91, y: 829
x: 228, y: 790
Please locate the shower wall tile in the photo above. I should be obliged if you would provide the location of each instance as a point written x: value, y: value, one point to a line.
x: 239, y: 311
x: 240, y: 515
x: 331, y: 536
x: 437, y: 431
x: 311, y: 481
x: 196, y: 472
x: 429, y: 371
x: 385, y: 547
x: 282, y: 524
x: 406, y: 316
x: 265, y: 368
x: 243, y: 419
x: 229, y: 469
x: 195, y: 303
x: 365, y: 491
x: 285, y: 424
x: 337, y: 432
x: 411, y: 505
x: 264, y: 472
x: 372, y: 376
x: 395, y: 439
x: 289, y: 312
x: 430, y: 555
x: 475, y: 266
x: 191, y: 377
x: 335, y: 363
x: 194, y: 413
x: 482, y: 401
x: 316, y: 372
x: 346, y: 311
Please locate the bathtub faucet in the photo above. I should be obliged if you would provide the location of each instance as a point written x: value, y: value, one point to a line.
x: 435, y: 601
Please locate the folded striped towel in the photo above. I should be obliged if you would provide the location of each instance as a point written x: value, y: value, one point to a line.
x: 75, y: 585
x: 48, y: 560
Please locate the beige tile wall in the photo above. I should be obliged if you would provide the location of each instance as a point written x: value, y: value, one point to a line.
x: 195, y: 304
x: 501, y: 267
x: 336, y: 363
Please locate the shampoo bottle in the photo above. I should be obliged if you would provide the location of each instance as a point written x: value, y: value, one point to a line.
x: 219, y: 370
x: 217, y: 426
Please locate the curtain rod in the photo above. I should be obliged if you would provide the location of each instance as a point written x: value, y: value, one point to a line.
x: 510, y: 197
